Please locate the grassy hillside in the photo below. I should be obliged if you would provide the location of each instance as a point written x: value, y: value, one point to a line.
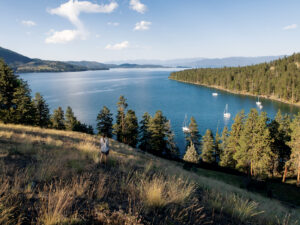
x: 53, y: 177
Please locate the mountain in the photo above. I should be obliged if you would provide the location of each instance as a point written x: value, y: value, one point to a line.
x: 11, y: 57
x: 91, y: 65
x: 204, y: 62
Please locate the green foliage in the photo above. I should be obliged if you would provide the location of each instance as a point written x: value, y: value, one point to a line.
x: 294, y: 161
x: 193, y: 135
x: 15, y: 100
x: 279, y: 79
x: 208, y: 153
x: 191, y: 155
x: 104, y: 122
x: 119, y: 126
x: 71, y: 120
x: 144, y: 132
x: 130, y: 134
x: 42, y: 117
x: 227, y: 159
x: 172, y: 150
x: 58, y: 119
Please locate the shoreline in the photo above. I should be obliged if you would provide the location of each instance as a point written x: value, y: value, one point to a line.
x: 241, y: 93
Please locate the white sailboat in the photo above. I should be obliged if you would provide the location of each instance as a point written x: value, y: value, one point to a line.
x: 258, y: 103
x: 185, y: 128
x: 214, y: 94
x: 226, y: 113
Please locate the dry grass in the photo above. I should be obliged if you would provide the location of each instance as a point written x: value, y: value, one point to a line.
x: 51, y: 177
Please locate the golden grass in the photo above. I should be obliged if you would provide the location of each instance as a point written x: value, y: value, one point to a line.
x: 61, y: 155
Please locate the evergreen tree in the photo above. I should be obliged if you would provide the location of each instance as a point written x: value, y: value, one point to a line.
x: 104, y: 122
x: 223, y: 143
x: 42, y: 117
x: 144, y: 132
x: 208, y: 148
x: 243, y: 155
x: 294, y: 161
x: 193, y: 135
x: 157, y: 129
x: 172, y: 150
x: 281, y: 134
x: 217, y: 146
x: 130, y: 134
x: 261, y: 154
x: 58, y: 119
x: 119, y: 127
x: 227, y: 159
x: 84, y: 128
x: 15, y: 101
x: 70, y: 121
x: 191, y: 155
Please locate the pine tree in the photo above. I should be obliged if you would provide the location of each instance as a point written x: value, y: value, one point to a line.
x: 15, y: 100
x: 71, y: 120
x: 42, y: 117
x: 58, y: 119
x: 104, y: 122
x: 157, y: 129
x: 193, y: 135
x: 191, y: 155
x: 217, y: 145
x: 172, y: 150
x: 130, y: 134
x: 294, y: 161
x: 281, y: 134
x: 261, y: 154
x: 119, y: 126
x: 144, y: 133
x: 243, y: 155
x: 223, y: 143
x: 227, y: 159
x: 208, y: 148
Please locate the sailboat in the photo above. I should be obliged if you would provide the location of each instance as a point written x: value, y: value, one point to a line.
x: 258, y: 103
x: 226, y: 113
x: 185, y: 128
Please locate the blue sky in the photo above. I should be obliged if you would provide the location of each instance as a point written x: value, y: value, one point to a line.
x: 106, y: 30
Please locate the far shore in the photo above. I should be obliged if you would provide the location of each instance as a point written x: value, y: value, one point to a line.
x: 242, y: 93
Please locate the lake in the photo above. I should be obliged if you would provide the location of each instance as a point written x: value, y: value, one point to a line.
x: 147, y: 90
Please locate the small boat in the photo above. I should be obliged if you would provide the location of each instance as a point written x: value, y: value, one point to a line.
x: 185, y: 128
x: 226, y: 113
x: 260, y: 106
x: 258, y: 102
x: 214, y: 94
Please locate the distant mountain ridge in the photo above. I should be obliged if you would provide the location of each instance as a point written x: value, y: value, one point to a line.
x: 23, y: 64
x: 205, y: 62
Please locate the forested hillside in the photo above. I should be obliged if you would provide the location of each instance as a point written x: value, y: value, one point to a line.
x: 279, y: 79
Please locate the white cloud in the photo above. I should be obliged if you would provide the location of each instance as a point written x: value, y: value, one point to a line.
x: 115, y: 24
x: 143, y: 25
x: 290, y: 27
x: 119, y: 46
x: 71, y: 10
x: 138, y: 6
x: 28, y: 23
x: 61, y: 37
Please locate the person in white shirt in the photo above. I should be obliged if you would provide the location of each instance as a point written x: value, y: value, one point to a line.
x: 104, y: 145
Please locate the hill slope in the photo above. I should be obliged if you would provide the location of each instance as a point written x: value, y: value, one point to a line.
x: 11, y: 57
x: 52, y: 177
x: 279, y: 79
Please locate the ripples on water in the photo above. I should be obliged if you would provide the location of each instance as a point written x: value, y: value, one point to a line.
x: 147, y: 90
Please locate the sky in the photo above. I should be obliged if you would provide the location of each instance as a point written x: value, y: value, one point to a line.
x: 108, y: 30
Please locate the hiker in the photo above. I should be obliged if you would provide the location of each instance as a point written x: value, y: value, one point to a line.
x: 104, y: 144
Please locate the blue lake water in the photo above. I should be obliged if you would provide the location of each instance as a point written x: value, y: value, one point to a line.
x: 147, y: 90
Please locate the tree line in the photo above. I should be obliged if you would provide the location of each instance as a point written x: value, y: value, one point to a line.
x: 255, y: 145
x: 17, y: 106
x: 279, y: 78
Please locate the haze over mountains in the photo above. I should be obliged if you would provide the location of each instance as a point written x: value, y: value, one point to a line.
x: 21, y: 63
